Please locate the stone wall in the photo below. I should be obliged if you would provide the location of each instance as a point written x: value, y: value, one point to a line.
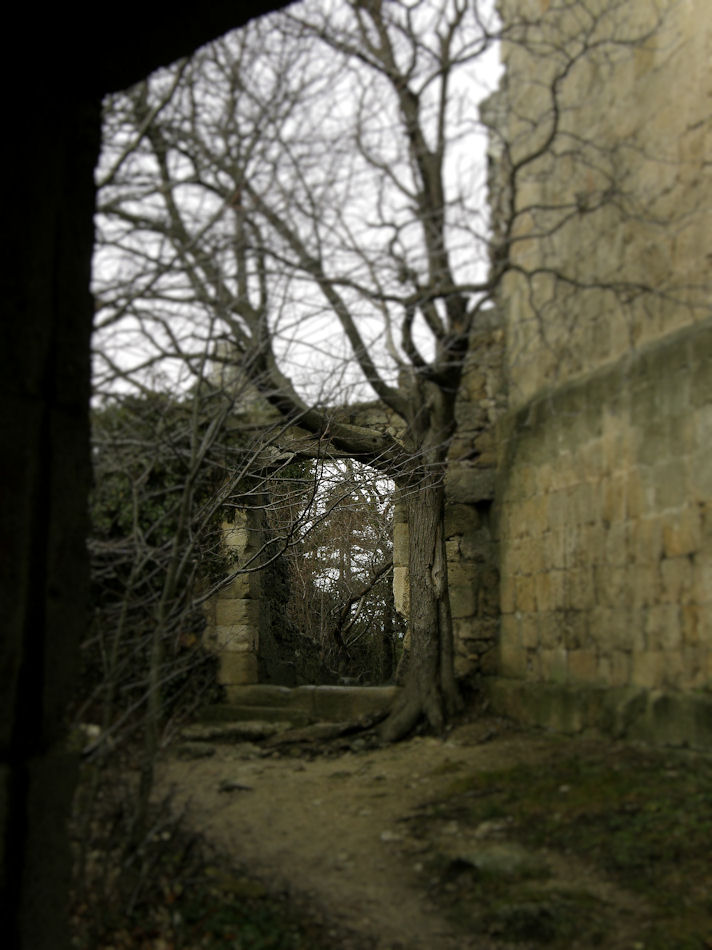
x: 611, y: 229
x: 232, y: 617
x: 605, y: 520
x: 472, y: 554
x: 604, y: 486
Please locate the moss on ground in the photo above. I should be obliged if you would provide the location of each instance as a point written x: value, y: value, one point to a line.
x: 639, y: 819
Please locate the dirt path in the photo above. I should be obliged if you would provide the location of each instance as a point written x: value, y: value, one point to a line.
x: 330, y: 828
x: 364, y: 837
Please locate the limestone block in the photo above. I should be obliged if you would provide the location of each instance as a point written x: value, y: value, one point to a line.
x: 579, y: 589
x: 643, y: 585
x: 702, y: 577
x: 462, y: 600
x: 574, y: 629
x: 671, y: 485
x: 619, y: 670
x: 236, y: 638
x: 488, y: 662
x: 583, y: 665
x: 589, y: 464
x: 602, y: 628
x: 463, y: 629
x: 453, y: 553
x: 400, y: 544
x: 235, y: 535
x: 462, y: 446
x: 617, y: 448
x: 462, y: 575
x: 690, y: 622
x: 478, y: 546
x: 677, y: 578
x: 344, y: 703
x: 575, y: 555
x: 512, y: 660
x: 647, y: 540
x: 636, y: 633
x: 236, y: 612
x: 554, y: 549
x: 609, y: 585
x: 549, y: 629
x: 584, y: 502
x: 543, y: 586
x: 401, y: 591
x: 682, y: 533
x: 663, y: 627
x: 657, y: 669
x: 469, y: 485
x: 525, y: 593
x: 693, y: 668
x: 466, y: 665
x: 486, y: 458
x: 558, y: 513
x: 507, y: 593
x: 461, y: 520
x: 702, y: 419
x: 553, y: 664
x: 238, y: 669
x: 530, y: 555
x: 638, y: 491
x: 238, y: 588
x: 701, y: 382
x: 529, y: 631
x: 700, y: 475
x: 617, y: 545
x: 509, y: 556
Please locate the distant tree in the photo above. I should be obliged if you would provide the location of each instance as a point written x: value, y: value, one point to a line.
x: 342, y: 575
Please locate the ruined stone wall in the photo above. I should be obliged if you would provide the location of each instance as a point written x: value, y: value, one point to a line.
x: 619, y: 204
x: 247, y: 623
x: 232, y: 616
x: 606, y: 524
x: 604, y: 496
x: 472, y: 554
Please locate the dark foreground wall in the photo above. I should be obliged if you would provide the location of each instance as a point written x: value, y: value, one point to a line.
x: 53, y: 86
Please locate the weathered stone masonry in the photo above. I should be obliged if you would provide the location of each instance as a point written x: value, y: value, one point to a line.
x: 604, y: 485
x: 605, y: 523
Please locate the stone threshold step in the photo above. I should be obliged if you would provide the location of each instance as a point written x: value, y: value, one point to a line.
x: 301, y: 704
x: 234, y: 712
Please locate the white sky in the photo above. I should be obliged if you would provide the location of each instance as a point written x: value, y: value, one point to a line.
x: 311, y: 344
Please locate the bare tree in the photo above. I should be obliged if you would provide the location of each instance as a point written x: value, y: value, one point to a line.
x: 259, y: 206
x: 308, y: 189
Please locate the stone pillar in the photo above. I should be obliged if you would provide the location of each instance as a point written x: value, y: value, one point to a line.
x: 232, y: 629
x: 401, y: 584
x: 472, y: 551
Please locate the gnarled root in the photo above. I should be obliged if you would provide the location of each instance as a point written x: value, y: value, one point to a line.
x: 435, y: 706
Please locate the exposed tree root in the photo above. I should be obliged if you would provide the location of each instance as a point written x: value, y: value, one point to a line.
x: 435, y: 707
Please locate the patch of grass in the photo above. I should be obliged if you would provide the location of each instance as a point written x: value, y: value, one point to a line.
x: 642, y: 819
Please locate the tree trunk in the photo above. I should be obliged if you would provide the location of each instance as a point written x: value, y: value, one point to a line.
x: 430, y: 689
